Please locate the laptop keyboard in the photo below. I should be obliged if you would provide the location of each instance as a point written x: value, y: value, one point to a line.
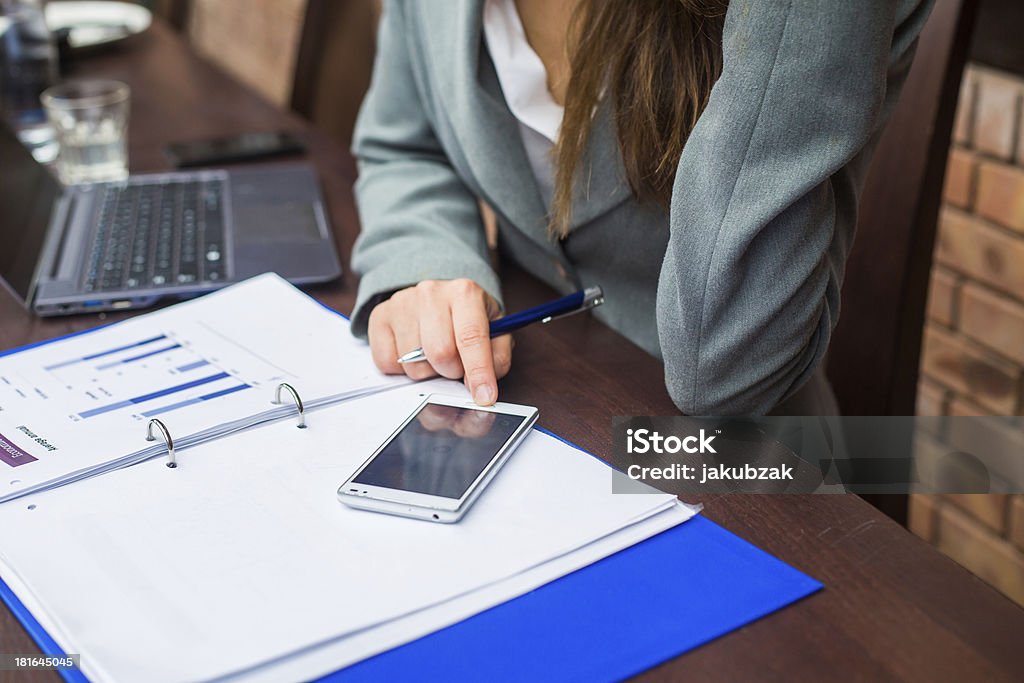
x: 158, y: 234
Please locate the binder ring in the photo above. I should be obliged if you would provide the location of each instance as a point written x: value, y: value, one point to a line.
x: 167, y: 440
x: 296, y: 398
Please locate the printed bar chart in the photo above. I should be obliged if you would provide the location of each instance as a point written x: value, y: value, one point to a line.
x: 193, y: 401
x: 155, y: 375
x: 101, y: 354
x: 153, y: 395
x: 142, y: 356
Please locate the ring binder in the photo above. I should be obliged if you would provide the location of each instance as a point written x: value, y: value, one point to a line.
x: 296, y: 398
x: 171, y: 462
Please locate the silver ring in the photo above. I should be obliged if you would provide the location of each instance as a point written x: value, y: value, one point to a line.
x: 167, y: 440
x: 296, y: 398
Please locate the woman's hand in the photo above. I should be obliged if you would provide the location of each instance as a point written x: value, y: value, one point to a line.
x: 450, y: 319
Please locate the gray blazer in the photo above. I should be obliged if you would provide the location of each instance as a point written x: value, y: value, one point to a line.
x: 736, y: 287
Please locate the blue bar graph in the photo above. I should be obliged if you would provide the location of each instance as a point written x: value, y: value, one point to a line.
x: 94, y: 356
x: 193, y: 366
x: 107, y: 366
x: 154, y: 395
x: 193, y: 401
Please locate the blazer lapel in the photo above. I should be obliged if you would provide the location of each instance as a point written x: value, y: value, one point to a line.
x: 487, y: 133
x: 489, y: 137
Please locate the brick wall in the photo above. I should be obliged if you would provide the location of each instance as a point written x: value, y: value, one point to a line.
x: 972, y: 360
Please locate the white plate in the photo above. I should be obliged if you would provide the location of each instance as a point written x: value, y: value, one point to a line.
x: 93, y: 24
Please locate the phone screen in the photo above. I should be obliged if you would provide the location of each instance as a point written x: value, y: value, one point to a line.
x: 441, y: 451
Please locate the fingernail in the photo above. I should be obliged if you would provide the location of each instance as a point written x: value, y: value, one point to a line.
x: 484, y: 395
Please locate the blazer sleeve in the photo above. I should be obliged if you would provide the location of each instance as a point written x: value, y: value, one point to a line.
x: 763, y: 208
x: 419, y: 221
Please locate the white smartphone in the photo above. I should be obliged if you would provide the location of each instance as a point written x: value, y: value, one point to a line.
x: 435, y: 465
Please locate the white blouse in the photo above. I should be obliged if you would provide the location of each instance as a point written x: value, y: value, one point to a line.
x: 524, y: 82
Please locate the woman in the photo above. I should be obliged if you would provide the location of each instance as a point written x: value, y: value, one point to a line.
x: 701, y: 163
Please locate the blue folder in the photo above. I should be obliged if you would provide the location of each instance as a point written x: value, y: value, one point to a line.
x: 610, y: 620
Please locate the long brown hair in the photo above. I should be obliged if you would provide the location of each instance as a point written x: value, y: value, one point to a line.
x: 656, y: 61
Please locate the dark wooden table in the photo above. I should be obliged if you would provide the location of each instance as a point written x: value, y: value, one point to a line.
x: 892, y: 607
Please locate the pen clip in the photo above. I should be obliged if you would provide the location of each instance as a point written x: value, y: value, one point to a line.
x: 592, y: 298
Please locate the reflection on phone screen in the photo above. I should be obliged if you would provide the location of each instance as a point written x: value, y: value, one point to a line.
x: 441, y: 451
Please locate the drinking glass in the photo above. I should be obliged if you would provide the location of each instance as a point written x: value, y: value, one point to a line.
x: 28, y: 65
x: 91, y: 120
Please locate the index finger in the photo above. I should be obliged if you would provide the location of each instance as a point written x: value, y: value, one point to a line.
x: 473, y: 340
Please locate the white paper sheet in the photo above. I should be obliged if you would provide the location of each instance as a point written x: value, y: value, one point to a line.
x: 319, y: 661
x: 243, y: 558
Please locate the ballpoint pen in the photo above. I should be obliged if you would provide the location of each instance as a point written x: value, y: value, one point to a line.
x: 577, y: 302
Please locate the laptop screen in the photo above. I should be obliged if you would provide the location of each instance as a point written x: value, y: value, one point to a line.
x: 28, y: 195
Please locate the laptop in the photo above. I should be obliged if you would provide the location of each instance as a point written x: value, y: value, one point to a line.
x: 127, y: 244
